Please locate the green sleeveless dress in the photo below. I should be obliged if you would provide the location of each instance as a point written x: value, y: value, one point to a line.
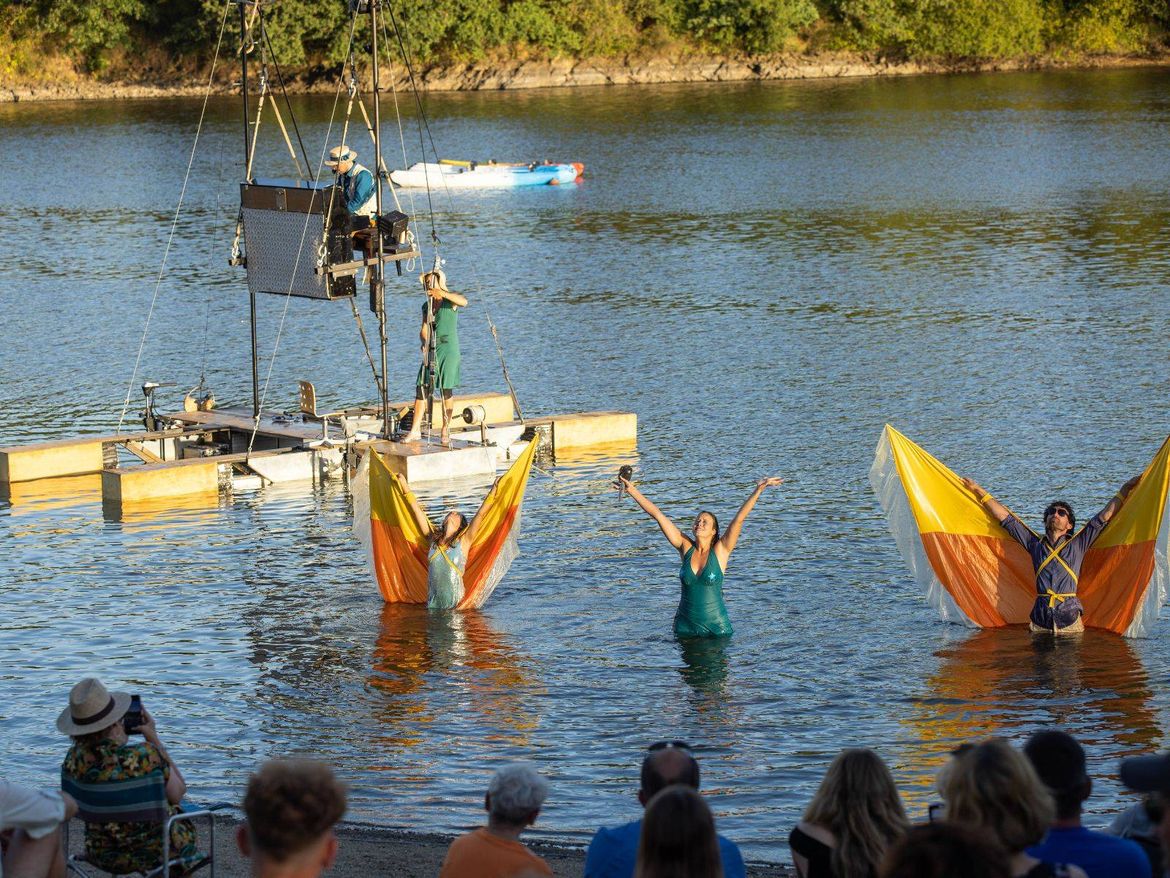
x: 447, y: 359
x: 701, y: 612
x: 445, y: 579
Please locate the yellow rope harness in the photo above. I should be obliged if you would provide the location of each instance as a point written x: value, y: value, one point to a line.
x: 1055, y: 555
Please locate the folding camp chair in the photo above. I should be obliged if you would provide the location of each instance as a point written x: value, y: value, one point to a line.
x: 140, y: 799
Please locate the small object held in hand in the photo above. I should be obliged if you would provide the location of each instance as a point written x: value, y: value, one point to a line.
x: 625, y: 473
x: 132, y: 719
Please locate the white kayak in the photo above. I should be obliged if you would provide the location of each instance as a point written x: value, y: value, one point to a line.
x: 487, y: 175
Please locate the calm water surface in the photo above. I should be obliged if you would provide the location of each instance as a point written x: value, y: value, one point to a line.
x: 766, y: 274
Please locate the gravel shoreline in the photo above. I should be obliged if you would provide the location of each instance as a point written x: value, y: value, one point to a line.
x: 576, y: 73
x: 366, y: 851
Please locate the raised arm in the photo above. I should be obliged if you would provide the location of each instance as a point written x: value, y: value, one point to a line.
x: 473, y: 527
x: 986, y: 500
x: 731, y: 535
x: 1115, y: 503
x: 420, y: 517
x: 456, y: 299
x: 669, y: 529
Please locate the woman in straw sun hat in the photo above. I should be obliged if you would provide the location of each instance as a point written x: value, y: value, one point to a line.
x: 102, y: 753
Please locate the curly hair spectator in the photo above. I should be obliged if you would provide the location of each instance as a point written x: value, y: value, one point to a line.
x: 513, y: 801
x: 945, y: 850
x: 993, y: 788
x: 678, y: 837
x: 854, y: 817
x: 291, y: 807
x: 102, y: 754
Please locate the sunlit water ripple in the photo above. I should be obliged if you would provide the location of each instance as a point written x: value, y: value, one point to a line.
x: 766, y: 274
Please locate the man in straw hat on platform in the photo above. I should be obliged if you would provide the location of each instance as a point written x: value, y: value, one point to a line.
x: 356, y: 182
x: 97, y: 720
x: 441, y: 307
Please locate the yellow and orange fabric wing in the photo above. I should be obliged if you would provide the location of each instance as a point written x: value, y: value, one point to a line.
x: 974, y: 572
x: 397, y: 547
x: 495, y: 546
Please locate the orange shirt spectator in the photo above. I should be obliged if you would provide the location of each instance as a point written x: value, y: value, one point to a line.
x: 483, y: 855
x: 513, y: 802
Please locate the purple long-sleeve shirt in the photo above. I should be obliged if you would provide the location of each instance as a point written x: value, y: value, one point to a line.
x: 1055, y: 578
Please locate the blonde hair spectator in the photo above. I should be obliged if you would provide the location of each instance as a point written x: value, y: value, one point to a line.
x: 856, y: 813
x: 992, y: 787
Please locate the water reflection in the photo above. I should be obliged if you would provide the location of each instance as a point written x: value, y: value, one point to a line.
x: 1010, y: 682
x: 419, y: 649
x: 705, y: 664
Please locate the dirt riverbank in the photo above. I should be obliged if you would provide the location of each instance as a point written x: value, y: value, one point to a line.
x: 574, y: 73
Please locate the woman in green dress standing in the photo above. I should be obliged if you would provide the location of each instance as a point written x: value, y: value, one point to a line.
x: 701, y: 611
x: 439, y: 317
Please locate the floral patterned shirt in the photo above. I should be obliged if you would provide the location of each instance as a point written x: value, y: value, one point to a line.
x: 125, y: 847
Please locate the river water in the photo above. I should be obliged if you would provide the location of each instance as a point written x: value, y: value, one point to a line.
x: 766, y: 274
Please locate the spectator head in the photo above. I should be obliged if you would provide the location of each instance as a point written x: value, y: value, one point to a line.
x: 858, y: 802
x: 945, y: 850
x: 667, y: 763
x: 515, y: 795
x: 992, y: 788
x: 1151, y: 774
x: 92, y: 710
x: 1060, y: 762
x: 290, y: 808
x: 678, y: 837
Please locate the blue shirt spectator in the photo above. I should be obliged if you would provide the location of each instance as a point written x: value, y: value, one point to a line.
x: 1060, y: 762
x: 1101, y: 855
x: 613, y: 852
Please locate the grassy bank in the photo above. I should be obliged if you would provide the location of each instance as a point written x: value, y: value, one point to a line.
x: 111, y: 43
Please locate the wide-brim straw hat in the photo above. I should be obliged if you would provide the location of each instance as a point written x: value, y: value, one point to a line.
x: 340, y: 154
x: 92, y: 708
x: 440, y: 279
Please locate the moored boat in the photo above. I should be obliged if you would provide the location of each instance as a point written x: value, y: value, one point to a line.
x: 485, y: 175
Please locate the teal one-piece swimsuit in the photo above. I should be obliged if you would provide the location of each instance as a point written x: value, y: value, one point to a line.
x: 445, y: 577
x: 701, y: 612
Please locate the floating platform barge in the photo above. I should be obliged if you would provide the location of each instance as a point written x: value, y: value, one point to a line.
x: 204, y: 452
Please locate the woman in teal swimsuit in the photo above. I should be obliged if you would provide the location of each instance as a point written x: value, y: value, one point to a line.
x: 701, y: 612
x: 447, y: 553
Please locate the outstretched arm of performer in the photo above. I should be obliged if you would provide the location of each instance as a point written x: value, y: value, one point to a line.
x: 420, y: 516
x: 1114, y: 504
x: 731, y: 535
x: 456, y: 299
x: 669, y: 529
x: 992, y: 505
x: 473, y: 527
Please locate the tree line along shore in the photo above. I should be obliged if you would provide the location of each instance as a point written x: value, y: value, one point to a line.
x: 111, y: 48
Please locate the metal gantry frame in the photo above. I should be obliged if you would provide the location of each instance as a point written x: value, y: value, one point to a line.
x: 375, y: 265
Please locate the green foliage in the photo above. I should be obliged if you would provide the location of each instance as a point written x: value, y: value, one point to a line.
x: 92, y: 29
x: 988, y: 30
x: 1097, y: 27
x: 884, y: 26
x: 752, y: 25
x: 312, y: 35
